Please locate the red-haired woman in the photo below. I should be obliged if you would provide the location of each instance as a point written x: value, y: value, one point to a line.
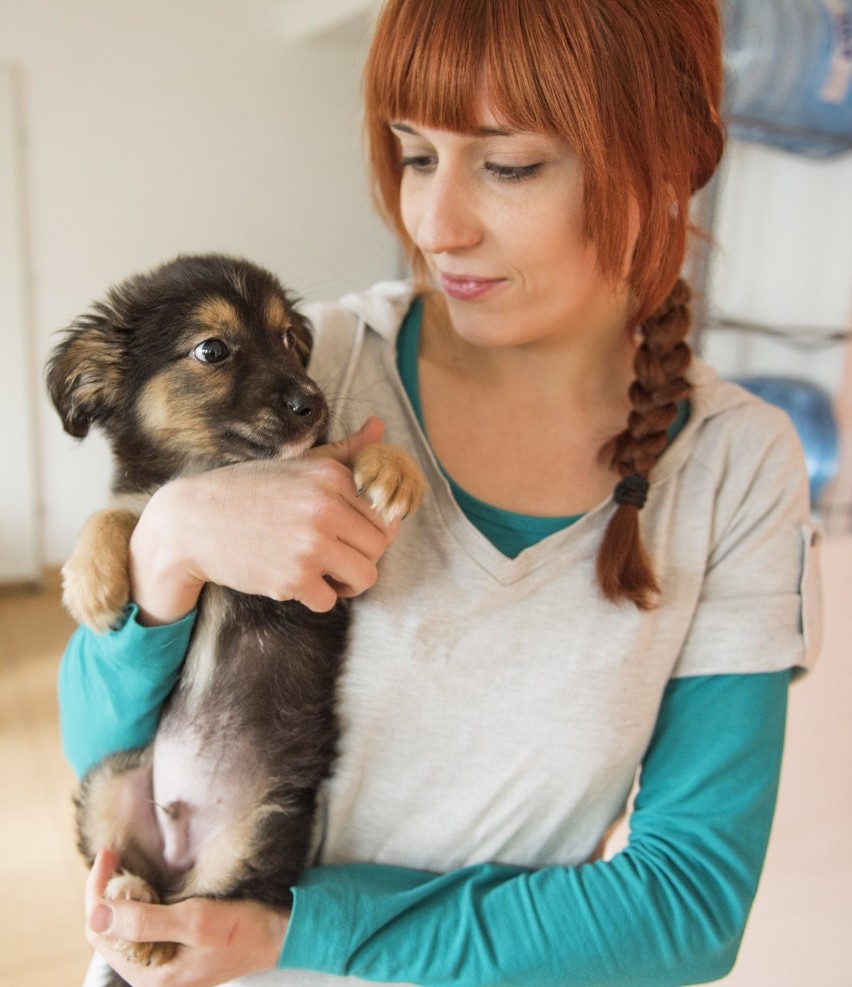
x: 606, y: 580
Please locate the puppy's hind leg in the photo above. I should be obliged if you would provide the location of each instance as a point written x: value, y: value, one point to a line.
x: 133, y: 888
x: 115, y: 808
x: 96, y: 580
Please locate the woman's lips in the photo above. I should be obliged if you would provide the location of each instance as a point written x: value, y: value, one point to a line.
x: 467, y: 288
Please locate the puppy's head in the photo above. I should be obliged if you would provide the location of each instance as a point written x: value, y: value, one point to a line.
x: 198, y: 363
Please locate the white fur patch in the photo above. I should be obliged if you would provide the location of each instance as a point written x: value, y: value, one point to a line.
x: 201, y: 659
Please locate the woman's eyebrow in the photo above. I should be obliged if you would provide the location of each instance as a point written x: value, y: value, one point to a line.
x: 480, y: 131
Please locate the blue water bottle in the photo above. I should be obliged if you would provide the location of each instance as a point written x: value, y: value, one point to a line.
x: 788, y: 68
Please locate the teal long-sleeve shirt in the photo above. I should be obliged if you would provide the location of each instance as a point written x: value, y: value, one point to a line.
x: 669, y: 909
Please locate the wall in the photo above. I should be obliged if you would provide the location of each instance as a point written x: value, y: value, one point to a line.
x: 20, y: 556
x: 159, y: 127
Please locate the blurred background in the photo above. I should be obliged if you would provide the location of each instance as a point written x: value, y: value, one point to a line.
x: 130, y: 132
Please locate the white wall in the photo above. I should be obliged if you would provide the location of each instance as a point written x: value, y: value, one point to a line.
x: 20, y: 557
x: 164, y: 126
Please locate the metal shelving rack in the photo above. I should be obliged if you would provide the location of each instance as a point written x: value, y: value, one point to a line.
x: 834, y: 511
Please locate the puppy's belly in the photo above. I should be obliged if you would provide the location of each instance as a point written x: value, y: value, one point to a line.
x: 202, y: 794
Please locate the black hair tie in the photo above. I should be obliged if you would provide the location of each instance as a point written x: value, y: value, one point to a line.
x: 632, y: 490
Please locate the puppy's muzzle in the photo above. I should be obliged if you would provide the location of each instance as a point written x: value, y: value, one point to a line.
x: 306, y: 407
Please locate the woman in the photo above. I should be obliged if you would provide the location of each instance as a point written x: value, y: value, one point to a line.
x: 530, y: 645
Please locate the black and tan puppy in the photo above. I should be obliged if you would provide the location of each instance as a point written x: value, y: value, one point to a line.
x: 200, y: 364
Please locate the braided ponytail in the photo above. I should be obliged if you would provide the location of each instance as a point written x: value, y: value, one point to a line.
x: 624, y: 568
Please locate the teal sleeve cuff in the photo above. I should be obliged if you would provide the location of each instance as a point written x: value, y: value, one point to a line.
x: 669, y: 909
x: 112, y: 686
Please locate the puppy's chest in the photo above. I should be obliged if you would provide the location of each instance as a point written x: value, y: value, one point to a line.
x: 259, y: 670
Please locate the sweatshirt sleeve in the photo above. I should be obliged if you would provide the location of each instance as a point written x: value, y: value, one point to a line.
x: 669, y: 909
x: 112, y: 686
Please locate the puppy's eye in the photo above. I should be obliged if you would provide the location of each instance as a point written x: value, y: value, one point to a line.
x: 211, y: 351
x: 289, y: 338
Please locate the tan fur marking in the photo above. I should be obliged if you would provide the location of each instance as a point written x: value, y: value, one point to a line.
x: 276, y: 313
x: 390, y: 479
x: 222, y: 860
x: 218, y: 314
x: 108, y: 800
x: 95, y: 580
x: 174, y: 417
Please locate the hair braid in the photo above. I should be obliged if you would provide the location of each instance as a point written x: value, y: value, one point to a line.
x: 624, y: 568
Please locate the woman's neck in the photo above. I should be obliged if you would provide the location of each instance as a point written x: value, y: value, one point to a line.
x: 588, y: 374
x: 522, y: 427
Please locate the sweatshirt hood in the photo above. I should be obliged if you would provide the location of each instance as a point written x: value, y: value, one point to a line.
x: 383, y: 308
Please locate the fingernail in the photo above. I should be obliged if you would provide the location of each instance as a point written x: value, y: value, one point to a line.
x: 100, y: 919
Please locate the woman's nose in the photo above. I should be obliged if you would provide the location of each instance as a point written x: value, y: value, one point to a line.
x: 449, y: 218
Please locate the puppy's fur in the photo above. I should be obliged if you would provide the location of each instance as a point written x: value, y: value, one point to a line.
x: 200, y: 364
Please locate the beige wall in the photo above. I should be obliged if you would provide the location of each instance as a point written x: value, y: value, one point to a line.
x: 163, y: 126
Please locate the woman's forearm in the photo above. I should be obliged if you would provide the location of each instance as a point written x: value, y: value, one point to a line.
x: 163, y: 584
x: 294, y: 530
x: 112, y: 687
x: 669, y: 910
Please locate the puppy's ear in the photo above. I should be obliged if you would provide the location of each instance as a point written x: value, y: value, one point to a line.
x: 84, y: 372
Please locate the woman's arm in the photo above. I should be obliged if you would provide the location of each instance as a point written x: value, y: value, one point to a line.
x: 293, y: 530
x: 669, y: 909
x: 112, y: 686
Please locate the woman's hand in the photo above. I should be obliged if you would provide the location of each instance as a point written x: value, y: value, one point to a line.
x: 292, y: 530
x: 217, y: 940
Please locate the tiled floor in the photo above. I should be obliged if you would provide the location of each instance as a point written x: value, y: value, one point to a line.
x: 800, y: 933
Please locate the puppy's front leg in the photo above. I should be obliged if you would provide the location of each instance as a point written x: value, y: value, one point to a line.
x: 96, y: 580
x: 390, y: 479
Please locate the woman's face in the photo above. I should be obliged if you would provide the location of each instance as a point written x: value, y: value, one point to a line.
x: 498, y: 215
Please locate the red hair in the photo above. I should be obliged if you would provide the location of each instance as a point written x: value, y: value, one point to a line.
x: 633, y: 86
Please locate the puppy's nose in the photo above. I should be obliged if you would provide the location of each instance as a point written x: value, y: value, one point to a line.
x: 306, y: 406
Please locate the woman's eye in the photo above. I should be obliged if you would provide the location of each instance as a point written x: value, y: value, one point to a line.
x: 419, y: 162
x: 513, y: 173
x: 211, y: 351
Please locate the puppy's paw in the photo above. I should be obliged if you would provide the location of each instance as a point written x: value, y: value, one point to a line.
x: 90, y: 601
x: 390, y: 479
x: 95, y: 580
x: 132, y: 888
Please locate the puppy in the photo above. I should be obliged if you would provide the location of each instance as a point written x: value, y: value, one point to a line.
x: 196, y: 365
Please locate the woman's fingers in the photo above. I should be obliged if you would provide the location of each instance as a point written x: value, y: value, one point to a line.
x: 293, y: 530
x: 102, y: 870
x: 345, y: 449
x: 215, y: 941
x: 120, y: 919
